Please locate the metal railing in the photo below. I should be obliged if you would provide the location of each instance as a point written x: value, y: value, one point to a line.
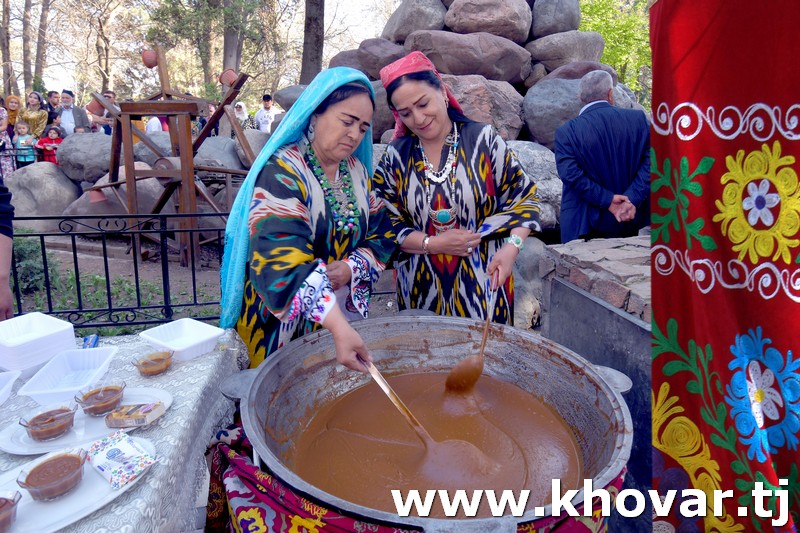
x: 74, y: 272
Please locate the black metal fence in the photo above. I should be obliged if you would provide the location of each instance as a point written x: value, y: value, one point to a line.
x: 88, y: 272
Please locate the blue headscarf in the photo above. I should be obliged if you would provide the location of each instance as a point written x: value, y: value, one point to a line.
x: 291, y: 128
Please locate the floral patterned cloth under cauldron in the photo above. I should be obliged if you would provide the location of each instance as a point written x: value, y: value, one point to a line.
x: 245, y: 499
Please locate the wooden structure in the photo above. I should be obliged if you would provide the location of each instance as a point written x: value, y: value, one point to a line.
x: 175, y: 170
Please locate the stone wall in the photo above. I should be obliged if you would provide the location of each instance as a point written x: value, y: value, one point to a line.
x: 616, y: 271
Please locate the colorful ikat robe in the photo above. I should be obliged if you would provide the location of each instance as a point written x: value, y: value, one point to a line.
x: 292, y: 239
x: 726, y: 262
x: 492, y: 196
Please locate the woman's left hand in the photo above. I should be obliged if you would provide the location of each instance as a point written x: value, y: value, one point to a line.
x: 503, y: 263
x: 339, y: 274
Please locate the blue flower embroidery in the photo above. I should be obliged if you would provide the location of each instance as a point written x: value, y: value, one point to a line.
x: 764, y: 395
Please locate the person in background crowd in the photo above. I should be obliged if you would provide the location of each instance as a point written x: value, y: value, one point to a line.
x: 245, y: 120
x: 53, y: 101
x: 34, y: 114
x: 106, y: 120
x: 73, y: 118
x: 48, y: 144
x: 603, y: 160
x: 203, y: 121
x: 153, y: 125
x: 13, y: 105
x: 265, y: 115
x: 7, y: 166
x: 460, y: 202
x: 6, y: 242
x: 23, y: 144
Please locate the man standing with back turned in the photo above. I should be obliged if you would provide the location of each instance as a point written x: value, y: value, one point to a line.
x: 603, y: 159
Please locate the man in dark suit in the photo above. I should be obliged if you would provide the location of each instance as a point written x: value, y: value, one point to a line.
x: 603, y: 159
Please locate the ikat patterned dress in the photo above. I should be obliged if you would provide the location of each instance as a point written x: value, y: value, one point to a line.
x: 492, y: 196
x: 726, y: 264
x: 292, y: 238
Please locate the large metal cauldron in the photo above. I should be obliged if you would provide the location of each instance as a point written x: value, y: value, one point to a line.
x: 295, y: 380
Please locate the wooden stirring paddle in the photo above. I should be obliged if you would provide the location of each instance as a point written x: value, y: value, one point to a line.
x: 466, y: 373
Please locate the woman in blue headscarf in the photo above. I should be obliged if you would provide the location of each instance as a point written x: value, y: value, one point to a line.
x: 307, y: 236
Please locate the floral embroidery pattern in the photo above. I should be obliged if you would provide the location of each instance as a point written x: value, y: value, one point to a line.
x: 746, y: 206
x: 764, y: 395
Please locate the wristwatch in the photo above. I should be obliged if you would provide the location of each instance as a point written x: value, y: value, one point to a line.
x: 515, y: 240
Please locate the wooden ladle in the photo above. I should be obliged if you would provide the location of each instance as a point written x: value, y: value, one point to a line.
x: 457, y: 460
x: 464, y: 375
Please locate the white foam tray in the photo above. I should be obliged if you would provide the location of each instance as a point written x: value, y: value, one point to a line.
x: 27, y: 341
x: 186, y: 338
x: 67, y: 373
x: 7, y: 380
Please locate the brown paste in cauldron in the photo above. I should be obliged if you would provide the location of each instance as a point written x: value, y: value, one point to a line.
x: 358, y: 447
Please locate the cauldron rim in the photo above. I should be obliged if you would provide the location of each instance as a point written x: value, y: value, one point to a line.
x: 615, y: 465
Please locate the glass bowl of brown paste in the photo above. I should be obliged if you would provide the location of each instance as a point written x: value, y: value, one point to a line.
x: 101, y: 400
x: 54, y: 476
x: 50, y: 422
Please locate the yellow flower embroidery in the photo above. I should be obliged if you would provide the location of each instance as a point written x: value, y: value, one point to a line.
x: 679, y: 437
x: 252, y: 517
x: 759, y: 209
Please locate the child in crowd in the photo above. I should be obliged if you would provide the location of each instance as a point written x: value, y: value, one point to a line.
x: 23, y: 143
x: 49, y: 142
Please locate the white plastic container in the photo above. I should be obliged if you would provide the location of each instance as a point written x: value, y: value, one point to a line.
x: 7, y: 380
x: 186, y: 338
x: 67, y: 373
x: 28, y: 341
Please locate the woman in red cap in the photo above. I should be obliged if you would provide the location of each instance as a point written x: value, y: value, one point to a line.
x: 460, y: 202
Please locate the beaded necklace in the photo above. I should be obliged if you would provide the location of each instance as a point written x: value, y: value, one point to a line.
x: 442, y: 219
x: 340, y: 198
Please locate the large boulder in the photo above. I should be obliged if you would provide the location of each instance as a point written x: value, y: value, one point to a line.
x: 540, y: 165
x: 506, y: 18
x: 413, y: 15
x: 287, y: 96
x: 257, y: 139
x: 143, y: 153
x: 105, y: 202
x: 489, y: 101
x: 218, y: 152
x: 549, y: 104
x: 488, y: 55
x: 555, y: 16
x: 575, y: 70
x: 558, y: 49
x: 41, y: 190
x: 347, y: 58
x: 382, y: 119
x: 538, y: 72
x: 374, y: 54
x: 85, y: 156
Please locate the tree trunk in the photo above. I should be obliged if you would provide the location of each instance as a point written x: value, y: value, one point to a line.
x: 313, y: 40
x: 41, y: 43
x: 5, y: 49
x: 27, y: 42
x: 203, y: 45
x: 103, y: 48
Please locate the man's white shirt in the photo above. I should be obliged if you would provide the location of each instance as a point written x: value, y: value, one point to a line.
x: 264, y: 119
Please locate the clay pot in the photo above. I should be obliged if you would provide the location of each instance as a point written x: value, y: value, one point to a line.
x: 95, y: 108
x: 149, y: 58
x: 228, y: 76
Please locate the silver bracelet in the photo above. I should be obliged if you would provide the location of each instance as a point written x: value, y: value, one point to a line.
x: 516, y: 241
x: 425, y: 243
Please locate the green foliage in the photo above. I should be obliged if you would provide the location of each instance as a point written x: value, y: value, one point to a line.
x: 38, y: 85
x: 624, y: 25
x: 29, y: 264
x: 680, y: 183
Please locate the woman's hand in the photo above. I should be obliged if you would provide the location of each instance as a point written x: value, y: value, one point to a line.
x: 349, y: 344
x: 339, y: 273
x: 503, y: 263
x: 460, y: 242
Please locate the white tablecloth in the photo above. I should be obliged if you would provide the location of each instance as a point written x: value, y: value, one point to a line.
x: 164, y: 500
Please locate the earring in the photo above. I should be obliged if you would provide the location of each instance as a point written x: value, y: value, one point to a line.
x: 310, y: 133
